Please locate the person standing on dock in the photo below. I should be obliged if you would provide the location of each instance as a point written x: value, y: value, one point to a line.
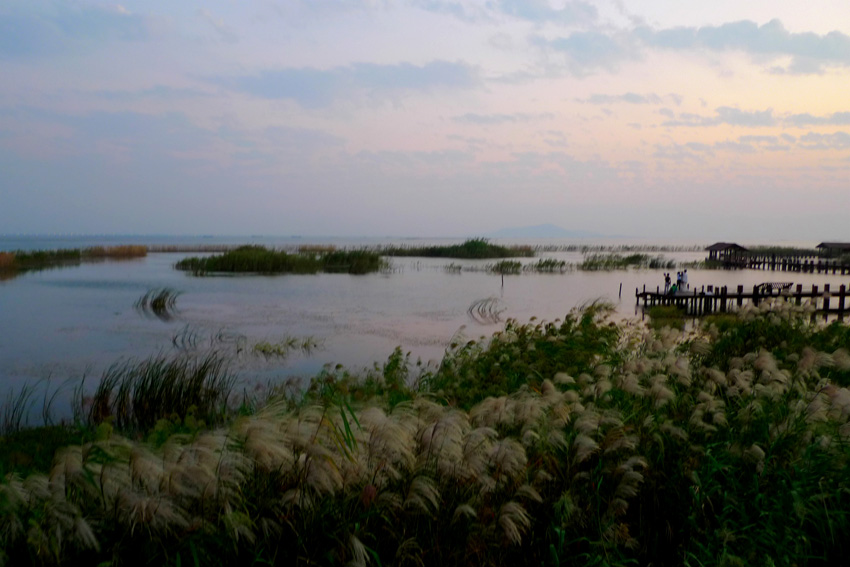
x: 666, y: 282
x: 684, y: 280
x: 679, y: 280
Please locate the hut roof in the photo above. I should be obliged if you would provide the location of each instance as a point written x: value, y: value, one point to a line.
x: 835, y: 245
x: 718, y: 246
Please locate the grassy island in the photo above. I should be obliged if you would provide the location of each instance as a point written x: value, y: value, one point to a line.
x: 473, y: 249
x: 259, y: 259
x: 572, y: 442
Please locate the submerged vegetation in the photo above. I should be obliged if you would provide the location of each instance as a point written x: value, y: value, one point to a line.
x: 576, y: 441
x: 259, y: 259
x: 472, y: 249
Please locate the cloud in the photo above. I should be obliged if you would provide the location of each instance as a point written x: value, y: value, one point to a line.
x: 809, y: 51
x: 632, y: 98
x: 834, y: 141
x: 806, y: 119
x: 316, y: 88
x: 489, y: 119
x: 587, y: 51
x: 726, y: 115
x: 38, y: 28
x: 541, y: 11
x: 225, y: 32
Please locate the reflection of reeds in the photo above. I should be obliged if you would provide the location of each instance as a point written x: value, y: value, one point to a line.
x: 158, y: 302
x: 486, y: 311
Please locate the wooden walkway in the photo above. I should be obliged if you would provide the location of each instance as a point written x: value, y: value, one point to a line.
x: 721, y: 300
x: 809, y: 264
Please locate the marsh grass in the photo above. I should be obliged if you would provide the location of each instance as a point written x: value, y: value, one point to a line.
x: 614, y: 261
x: 259, y: 259
x: 472, y: 249
x: 115, y: 252
x: 133, y: 395
x: 571, y: 442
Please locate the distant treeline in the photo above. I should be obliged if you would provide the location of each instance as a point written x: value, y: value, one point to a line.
x: 472, y: 249
x: 259, y: 259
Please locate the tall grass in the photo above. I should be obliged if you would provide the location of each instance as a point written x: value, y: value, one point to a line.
x: 133, y: 395
x: 572, y: 442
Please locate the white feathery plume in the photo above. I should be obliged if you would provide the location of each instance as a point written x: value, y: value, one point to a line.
x: 514, y: 521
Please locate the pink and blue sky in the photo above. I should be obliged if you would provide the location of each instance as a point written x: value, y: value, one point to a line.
x: 655, y: 118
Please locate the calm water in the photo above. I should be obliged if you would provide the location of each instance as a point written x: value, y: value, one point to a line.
x: 64, y: 323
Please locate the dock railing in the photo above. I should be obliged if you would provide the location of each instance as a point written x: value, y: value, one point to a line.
x: 709, y: 299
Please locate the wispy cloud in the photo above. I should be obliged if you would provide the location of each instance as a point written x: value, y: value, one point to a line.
x: 806, y: 119
x: 809, y: 51
x: 489, y: 119
x: 632, y: 98
x: 38, y: 28
x: 586, y: 52
x: 726, y: 115
x: 315, y: 88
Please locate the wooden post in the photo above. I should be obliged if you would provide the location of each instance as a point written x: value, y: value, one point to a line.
x: 825, y: 301
x: 799, y: 293
x: 755, y: 296
x: 842, y: 292
x: 723, y: 299
x: 740, y: 295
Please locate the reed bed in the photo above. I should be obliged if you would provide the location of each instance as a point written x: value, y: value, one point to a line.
x: 568, y: 442
x: 259, y: 259
x: 115, y: 252
x: 475, y: 248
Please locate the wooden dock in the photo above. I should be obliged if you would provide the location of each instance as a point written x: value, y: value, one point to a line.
x: 708, y: 300
x: 802, y: 264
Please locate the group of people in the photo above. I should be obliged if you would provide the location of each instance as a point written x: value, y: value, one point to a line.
x: 681, y: 282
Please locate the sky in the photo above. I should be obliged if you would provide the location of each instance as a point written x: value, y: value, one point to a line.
x: 663, y: 119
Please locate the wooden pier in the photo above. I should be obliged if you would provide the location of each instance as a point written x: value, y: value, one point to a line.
x: 708, y: 299
x: 802, y: 264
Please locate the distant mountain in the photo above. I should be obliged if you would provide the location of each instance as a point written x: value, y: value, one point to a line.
x: 543, y: 231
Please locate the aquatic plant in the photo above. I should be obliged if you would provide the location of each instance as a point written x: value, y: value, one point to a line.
x: 133, y: 395
x: 259, y: 259
x: 600, y: 261
x: 115, y: 252
x: 505, y: 267
x: 474, y: 248
x: 158, y: 302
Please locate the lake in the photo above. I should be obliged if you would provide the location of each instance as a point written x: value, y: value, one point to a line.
x: 73, y: 321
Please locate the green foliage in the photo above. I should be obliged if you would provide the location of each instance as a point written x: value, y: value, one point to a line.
x: 259, y: 259
x: 523, y: 355
x: 135, y: 395
x: 576, y: 442
x: 472, y: 249
x: 666, y: 316
x: 505, y: 267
